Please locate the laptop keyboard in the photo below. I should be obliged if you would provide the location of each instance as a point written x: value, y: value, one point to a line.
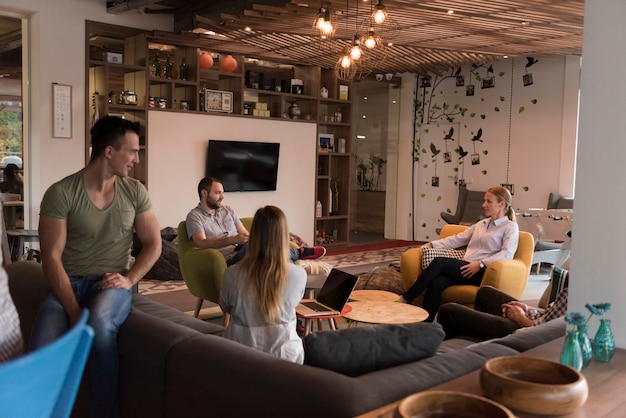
x: 315, y: 306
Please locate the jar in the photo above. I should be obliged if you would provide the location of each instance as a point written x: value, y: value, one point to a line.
x: 151, y: 102
x: 294, y: 110
x: 324, y: 92
x: 184, y: 105
x: 162, y: 103
x: 129, y: 97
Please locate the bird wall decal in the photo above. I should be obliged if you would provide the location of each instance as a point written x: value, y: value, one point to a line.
x: 449, y: 135
x: 434, y: 149
x: 478, y: 135
x: 462, y: 153
x: 531, y: 61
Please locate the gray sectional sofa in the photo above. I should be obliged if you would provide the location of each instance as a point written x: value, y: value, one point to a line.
x: 173, y: 365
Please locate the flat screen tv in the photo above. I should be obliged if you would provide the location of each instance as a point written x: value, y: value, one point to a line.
x: 243, y: 166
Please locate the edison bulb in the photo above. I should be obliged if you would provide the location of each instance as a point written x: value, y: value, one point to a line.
x: 355, y: 52
x: 380, y: 16
x: 346, y: 61
x: 370, y: 42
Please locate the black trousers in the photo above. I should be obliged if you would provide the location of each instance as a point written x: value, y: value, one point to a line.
x: 442, y: 273
x: 484, y: 322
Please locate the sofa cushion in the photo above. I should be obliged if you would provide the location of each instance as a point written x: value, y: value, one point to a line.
x: 429, y: 254
x: 356, y: 351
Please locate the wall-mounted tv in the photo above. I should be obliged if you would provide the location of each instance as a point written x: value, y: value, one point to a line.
x: 243, y: 166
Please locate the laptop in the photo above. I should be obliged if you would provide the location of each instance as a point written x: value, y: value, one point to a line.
x: 332, y: 297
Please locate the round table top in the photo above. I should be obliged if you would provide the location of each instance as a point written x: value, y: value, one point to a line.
x: 382, y: 312
x: 374, y: 295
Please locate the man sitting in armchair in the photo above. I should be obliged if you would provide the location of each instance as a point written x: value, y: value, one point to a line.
x: 213, y: 225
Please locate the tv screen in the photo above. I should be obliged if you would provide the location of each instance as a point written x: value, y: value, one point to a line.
x: 243, y: 166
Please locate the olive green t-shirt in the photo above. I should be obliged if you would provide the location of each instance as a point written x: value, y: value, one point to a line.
x: 98, y: 240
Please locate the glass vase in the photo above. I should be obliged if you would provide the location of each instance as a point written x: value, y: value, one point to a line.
x: 585, y: 345
x: 571, y: 355
x: 603, y: 342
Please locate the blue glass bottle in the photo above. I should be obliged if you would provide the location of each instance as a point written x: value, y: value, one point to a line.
x: 585, y: 345
x: 571, y: 354
x: 603, y: 342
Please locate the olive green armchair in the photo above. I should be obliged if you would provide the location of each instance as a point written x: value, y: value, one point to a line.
x: 509, y: 276
x: 202, y: 269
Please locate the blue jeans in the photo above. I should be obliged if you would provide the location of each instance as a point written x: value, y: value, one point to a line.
x: 108, y: 310
x: 294, y: 254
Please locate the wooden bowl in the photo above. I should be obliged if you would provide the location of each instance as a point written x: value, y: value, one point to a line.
x: 447, y: 404
x: 533, y: 385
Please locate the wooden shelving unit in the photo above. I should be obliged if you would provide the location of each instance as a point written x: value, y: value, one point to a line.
x: 252, y: 82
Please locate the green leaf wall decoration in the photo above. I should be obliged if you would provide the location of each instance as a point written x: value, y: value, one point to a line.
x: 521, y: 109
x: 534, y: 101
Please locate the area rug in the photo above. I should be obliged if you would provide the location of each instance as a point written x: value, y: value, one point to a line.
x: 355, y: 263
x: 174, y: 293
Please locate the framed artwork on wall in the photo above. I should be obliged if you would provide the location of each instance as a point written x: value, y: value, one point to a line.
x: 61, y: 110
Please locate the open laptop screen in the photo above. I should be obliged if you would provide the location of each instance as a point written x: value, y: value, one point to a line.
x: 337, y: 289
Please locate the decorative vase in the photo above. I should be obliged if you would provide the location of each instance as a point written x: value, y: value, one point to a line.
x: 603, y: 342
x: 585, y: 345
x: 571, y: 354
x: 206, y: 61
x: 228, y: 64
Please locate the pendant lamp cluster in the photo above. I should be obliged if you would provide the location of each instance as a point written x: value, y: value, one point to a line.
x: 325, y: 23
x: 368, y: 47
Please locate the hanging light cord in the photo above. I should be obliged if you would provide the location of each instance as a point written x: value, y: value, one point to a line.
x: 508, y: 152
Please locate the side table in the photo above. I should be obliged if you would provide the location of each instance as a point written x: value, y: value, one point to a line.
x: 308, y: 322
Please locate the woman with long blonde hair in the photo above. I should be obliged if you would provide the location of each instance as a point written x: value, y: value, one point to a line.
x: 261, y: 292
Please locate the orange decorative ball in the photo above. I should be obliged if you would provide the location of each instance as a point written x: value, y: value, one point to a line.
x: 206, y: 61
x: 228, y: 64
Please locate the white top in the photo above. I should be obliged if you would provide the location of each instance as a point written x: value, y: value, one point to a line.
x: 280, y: 339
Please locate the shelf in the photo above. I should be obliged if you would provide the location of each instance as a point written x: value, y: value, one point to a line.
x: 139, y: 50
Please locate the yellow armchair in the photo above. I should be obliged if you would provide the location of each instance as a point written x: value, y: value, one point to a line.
x: 202, y: 269
x: 509, y: 276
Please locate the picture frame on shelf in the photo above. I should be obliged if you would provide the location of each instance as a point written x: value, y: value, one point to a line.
x: 326, y: 142
x: 218, y: 101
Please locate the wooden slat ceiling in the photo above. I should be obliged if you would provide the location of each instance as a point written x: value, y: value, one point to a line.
x: 429, y: 38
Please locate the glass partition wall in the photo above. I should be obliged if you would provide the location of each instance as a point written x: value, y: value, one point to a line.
x: 376, y: 105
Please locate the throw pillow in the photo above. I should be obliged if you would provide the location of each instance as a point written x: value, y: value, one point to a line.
x: 558, y: 281
x: 429, y: 254
x: 356, y: 351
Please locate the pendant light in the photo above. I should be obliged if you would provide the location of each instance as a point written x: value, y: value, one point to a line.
x: 380, y: 14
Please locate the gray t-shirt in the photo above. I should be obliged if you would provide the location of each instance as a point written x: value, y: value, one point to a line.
x: 223, y: 224
x: 280, y: 339
x: 98, y: 240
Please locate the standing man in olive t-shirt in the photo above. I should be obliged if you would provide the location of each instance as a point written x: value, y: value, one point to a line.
x: 86, y: 230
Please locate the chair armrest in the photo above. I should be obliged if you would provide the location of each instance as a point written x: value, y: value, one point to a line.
x: 410, y: 266
x: 449, y: 218
x: 509, y: 276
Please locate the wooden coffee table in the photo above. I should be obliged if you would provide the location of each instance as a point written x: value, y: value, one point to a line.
x: 374, y: 295
x: 384, y: 312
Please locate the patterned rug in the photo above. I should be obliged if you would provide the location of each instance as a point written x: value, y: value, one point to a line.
x: 355, y: 263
